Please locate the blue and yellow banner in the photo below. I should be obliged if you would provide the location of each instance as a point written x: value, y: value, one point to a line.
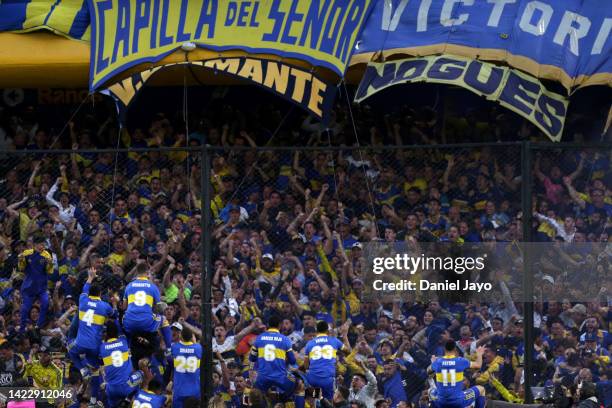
x: 130, y: 32
x: 296, y: 85
x: 563, y: 40
x: 69, y: 18
x: 512, y: 89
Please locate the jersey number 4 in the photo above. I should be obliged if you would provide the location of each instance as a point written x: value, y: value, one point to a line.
x: 88, y: 317
x: 449, y: 377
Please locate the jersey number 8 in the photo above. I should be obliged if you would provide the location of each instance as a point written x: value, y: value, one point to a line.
x: 186, y: 364
x: 140, y: 298
x: 117, y: 358
x: 325, y: 352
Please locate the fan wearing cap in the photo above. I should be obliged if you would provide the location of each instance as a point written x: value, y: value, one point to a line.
x: 450, y: 373
x: 264, y: 265
x: 43, y: 371
x: 592, y: 327
x: 591, y: 344
x: 37, y: 265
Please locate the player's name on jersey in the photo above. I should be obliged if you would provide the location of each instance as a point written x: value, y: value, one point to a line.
x: 423, y: 284
x: 271, y: 338
x: 113, y: 345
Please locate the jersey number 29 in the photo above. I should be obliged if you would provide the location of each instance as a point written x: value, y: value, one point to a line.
x: 186, y: 364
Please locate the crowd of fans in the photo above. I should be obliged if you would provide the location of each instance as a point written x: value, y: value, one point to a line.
x: 288, y: 235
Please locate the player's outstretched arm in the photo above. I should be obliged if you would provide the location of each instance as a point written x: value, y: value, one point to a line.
x: 478, y: 362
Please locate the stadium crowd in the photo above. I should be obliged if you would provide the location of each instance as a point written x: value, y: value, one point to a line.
x: 94, y: 245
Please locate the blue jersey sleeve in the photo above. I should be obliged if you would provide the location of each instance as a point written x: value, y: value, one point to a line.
x: 156, y: 295
x: 338, y: 344
x: 86, y: 288
x: 289, y: 348
x: 308, y: 348
x: 463, y: 364
x: 435, y: 366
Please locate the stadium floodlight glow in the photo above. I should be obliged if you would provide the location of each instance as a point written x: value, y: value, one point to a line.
x: 188, y: 46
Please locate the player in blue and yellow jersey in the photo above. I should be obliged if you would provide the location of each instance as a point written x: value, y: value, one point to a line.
x: 92, y: 316
x: 271, y: 352
x: 321, y: 356
x: 121, y: 381
x: 150, y: 396
x: 450, y: 375
x: 140, y: 297
x: 186, y: 357
x: 36, y: 265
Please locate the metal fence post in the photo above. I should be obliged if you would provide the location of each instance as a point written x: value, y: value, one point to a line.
x: 206, y: 264
x: 526, y: 200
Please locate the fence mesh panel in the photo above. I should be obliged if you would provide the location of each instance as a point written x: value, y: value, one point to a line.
x: 289, y: 226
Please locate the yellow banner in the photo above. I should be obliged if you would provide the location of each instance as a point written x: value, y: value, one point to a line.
x: 519, y: 92
x: 130, y: 32
x: 296, y: 85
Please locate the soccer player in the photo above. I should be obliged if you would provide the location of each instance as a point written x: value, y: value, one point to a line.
x: 93, y: 313
x: 150, y: 396
x: 36, y: 265
x: 121, y: 382
x: 141, y: 295
x: 320, y: 359
x: 272, y: 351
x: 186, y: 357
x: 450, y: 374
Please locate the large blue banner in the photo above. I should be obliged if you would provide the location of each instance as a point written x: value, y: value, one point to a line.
x: 563, y: 40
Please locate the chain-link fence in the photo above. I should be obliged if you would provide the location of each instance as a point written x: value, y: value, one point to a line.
x: 287, y: 233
